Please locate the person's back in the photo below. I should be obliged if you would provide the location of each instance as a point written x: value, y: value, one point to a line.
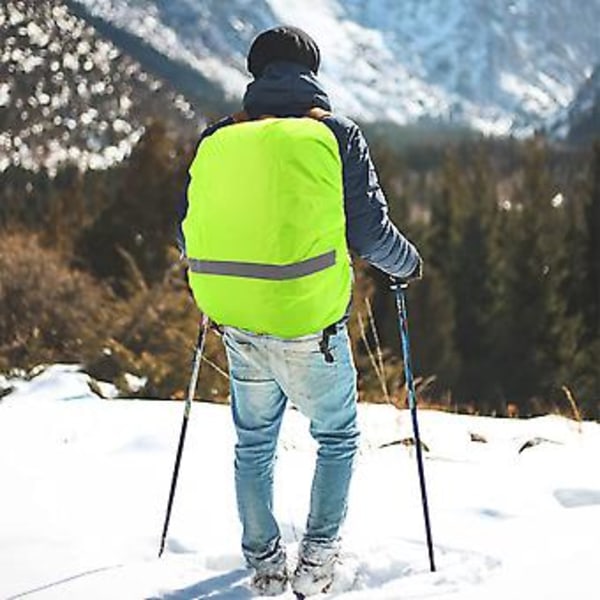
x: 277, y: 196
x: 277, y: 227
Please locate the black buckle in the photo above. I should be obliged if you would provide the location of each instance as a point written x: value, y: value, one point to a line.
x: 324, y: 343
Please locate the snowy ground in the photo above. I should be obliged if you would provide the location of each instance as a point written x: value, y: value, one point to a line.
x: 84, y: 485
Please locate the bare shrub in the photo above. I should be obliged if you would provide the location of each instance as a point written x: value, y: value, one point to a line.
x: 48, y: 311
x: 153, y: 334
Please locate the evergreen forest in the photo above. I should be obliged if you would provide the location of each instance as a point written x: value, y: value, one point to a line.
x: 506, y: 320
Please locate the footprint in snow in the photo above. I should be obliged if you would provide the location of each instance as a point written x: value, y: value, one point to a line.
x: 577, y: 497
x: 410, y: 575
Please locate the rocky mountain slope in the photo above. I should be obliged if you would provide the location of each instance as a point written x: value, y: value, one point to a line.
x: 80, y: 78
x: 580, y: 121
x: 67, y: 94
x: 499, y: 66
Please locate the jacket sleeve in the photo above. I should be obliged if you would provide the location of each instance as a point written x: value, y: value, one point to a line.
x: 182, y: 204
x: 369, y: 231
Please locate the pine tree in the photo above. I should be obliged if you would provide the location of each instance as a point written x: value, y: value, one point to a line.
x: 137, y: 227
x: 65, y: 216
x: 460, y: 247
x: 443, y: 235
x: 592, y: 233
x: 535, y: 335
x: 432, y: 330
x: 472, y: 285
x: 587, y: 359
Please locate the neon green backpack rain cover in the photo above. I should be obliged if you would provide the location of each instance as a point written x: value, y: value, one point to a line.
x: 265, y: 227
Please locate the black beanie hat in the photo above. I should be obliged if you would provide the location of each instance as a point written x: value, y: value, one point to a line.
x: 283, y: 43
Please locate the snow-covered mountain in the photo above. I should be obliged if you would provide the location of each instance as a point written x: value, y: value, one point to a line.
x: 580, y: 121
x: 67, y: 94
x: 79, y: 78
x: 497, y: 65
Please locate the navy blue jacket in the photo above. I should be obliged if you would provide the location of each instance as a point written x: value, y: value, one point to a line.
x: 290, y: 90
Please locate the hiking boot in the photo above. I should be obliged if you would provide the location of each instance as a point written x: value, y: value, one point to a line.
x: 316, y: 567
x: 270, y: 574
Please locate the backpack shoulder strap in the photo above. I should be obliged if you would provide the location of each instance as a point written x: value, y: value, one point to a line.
x: 240, y: 117
x: 317, y: 113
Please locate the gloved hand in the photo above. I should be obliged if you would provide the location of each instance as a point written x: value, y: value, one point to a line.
x: 414, y: 276
x: 417, y: 273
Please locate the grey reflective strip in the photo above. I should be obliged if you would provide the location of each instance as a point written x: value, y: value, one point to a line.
x: 263, y: 271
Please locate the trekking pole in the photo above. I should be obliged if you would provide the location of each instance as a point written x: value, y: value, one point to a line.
x: 186, y: 415
x: 399, y: 288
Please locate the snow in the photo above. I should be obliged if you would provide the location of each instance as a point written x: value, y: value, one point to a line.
x: 85, y: 483
x: 37, y: 35
x: 59, y: 73
x: 135, y: 383
x: 4, y: 94
x: 57, y: 382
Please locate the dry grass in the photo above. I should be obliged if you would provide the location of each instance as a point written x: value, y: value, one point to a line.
x: 48, y: 311
x: 378, y: 367
x: 574, y: 407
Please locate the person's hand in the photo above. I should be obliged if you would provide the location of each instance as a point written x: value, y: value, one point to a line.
x: 417, y: 273
x: 414, y: 276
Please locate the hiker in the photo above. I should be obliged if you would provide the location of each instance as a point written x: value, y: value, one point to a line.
x: 277, y: 195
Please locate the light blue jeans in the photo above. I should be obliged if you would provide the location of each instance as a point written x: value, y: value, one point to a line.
x: 265, y: 373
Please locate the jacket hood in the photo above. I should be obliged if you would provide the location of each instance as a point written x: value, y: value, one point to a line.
x: 285, y: 89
